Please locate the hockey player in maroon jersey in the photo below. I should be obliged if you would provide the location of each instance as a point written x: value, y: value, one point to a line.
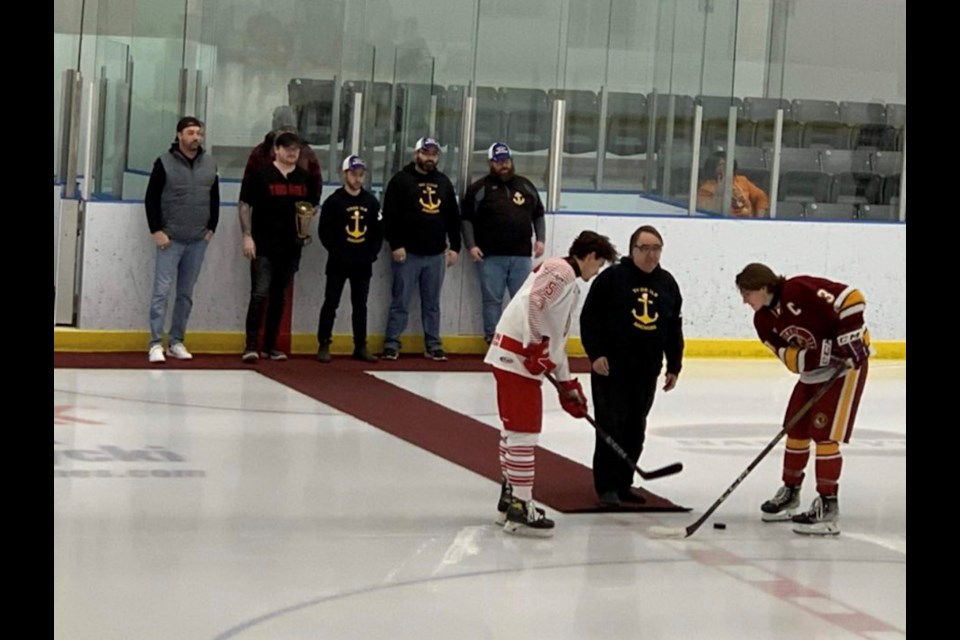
x: 813, y: 326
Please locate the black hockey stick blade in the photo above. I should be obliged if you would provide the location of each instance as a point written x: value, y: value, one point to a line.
x: 653, y: 474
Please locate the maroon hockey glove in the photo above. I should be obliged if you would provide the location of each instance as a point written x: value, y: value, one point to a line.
x: 572, y: 399
x: 853, y: 348
x: 538, y: 359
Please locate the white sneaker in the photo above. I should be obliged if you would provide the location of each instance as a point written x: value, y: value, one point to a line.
x: 156, y: 353
x: 178, y: 351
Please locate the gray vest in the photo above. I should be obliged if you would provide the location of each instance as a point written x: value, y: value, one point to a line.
x: 185, y: 201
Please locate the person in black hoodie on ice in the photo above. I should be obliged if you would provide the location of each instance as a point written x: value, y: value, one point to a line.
x: 630, y: 321
x: 422, y: 225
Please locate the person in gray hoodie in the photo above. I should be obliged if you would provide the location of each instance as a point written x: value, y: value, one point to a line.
x: 183, y: 208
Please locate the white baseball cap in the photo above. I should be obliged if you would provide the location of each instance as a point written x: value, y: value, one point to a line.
x: 427, y: 143
x: 353, y: 163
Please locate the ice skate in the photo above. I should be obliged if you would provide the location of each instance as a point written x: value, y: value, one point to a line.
x: 782, y: 506
x: 525, y: 519
x: 821, y: 520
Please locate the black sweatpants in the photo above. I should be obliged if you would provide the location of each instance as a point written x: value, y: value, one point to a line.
x: 621, y: 404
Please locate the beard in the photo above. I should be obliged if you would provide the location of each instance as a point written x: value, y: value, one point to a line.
x: 425, y: 165
x: 505, y: 173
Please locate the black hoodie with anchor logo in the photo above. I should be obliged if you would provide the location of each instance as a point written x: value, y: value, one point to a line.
x: 420, y: 212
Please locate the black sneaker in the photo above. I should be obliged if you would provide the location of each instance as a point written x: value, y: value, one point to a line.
x: 629, y: 496
x: 781, y: 506
x: 610, y: 499
x: 390, y: 354
x: 250, y: 356
x: 323, y: 353
x: 525, y: 519
x: 363, y: 355
x: 437, y: 355
x: 274, y: 354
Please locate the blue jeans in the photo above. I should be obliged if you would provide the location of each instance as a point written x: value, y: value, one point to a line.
x: 425, y: 272
x: 180, y: 260
x: 497, y: 275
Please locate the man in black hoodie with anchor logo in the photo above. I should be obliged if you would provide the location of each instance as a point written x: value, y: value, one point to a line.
x: 351, y: 229
x: 631, y: 321
x: 422, y: 225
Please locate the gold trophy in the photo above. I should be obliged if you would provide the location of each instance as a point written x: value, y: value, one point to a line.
x: 305, y: 213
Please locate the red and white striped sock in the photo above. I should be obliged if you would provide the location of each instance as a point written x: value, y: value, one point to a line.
x: 519, y: 463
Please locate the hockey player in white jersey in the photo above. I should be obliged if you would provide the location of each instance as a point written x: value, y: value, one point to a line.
x: 529, y: 342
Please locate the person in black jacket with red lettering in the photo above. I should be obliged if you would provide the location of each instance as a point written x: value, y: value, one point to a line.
x: 350, y: 228
x: 268, y: 219
x: 262, y: 155
x: 630, y: 321
x: 420, y: 217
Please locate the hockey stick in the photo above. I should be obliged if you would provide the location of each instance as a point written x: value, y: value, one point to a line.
x: 668, y: 470
x: 679, y: 532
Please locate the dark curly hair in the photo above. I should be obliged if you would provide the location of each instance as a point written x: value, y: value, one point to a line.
x: 592, y: 242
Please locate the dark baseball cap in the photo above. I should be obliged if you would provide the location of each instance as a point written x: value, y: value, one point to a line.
x: 498, y: 152
x: 188, y: 121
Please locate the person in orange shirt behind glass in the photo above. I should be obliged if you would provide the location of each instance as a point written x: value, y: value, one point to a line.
x: 747, y: 200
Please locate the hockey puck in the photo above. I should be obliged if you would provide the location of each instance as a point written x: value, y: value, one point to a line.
x: 719, y: 525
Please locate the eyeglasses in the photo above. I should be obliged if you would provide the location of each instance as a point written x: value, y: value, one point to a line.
x: 649, y: 248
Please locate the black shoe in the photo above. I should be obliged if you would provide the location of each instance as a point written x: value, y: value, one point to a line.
x: 274, y: 354
x: 628, y: 495
x: 363, y: 355
x: 390, y: 354
x: 250, y: 356
x: 610, y: 499
x: 323, y: 353
x: 437, y: 355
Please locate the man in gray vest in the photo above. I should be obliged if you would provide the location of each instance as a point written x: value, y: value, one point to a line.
x: 183, y: 208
